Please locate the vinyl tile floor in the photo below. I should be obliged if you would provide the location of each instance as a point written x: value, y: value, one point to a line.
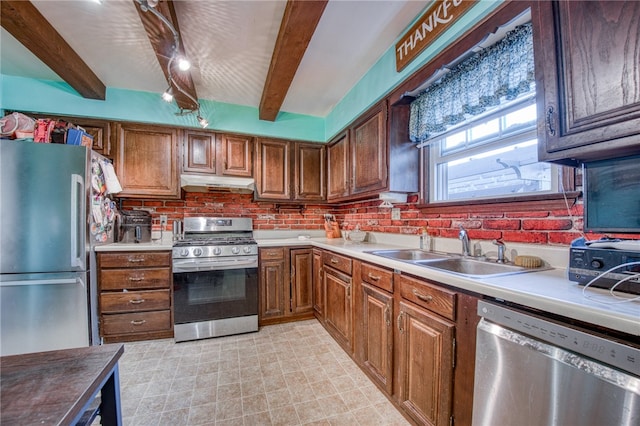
x: 286, y: 374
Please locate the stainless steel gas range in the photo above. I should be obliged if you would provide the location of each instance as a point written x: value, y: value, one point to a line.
x: 215, y: 278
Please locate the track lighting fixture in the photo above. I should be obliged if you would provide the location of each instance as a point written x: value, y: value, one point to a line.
x: 183, y: 64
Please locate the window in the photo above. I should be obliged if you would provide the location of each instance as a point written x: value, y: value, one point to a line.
x: 496, y: 156
x: 476, y: 125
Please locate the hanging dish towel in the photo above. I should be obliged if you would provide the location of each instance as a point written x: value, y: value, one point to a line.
x: 110, y: 178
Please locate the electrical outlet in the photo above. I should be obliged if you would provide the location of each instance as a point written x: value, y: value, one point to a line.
x: 163, y: 219
x: 395, y: 214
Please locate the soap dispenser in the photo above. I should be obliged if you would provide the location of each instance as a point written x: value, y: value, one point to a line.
x: 425, y: 240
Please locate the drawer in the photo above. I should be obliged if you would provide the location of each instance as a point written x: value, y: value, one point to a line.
x: 131, y: 301
x: 134, y: 259
x: 341, y: 263
x: 272, y: 253
x: 379, y: 277
x: 121, y: 279
x: 139, y: 322
x: 435, y: 299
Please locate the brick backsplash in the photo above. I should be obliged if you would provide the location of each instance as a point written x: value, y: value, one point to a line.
x: 556, y: 227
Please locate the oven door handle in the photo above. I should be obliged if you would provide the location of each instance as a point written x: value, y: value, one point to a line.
x: 200, y: 265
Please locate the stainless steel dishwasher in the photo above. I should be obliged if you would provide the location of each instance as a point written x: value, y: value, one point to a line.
x: 534, y: 371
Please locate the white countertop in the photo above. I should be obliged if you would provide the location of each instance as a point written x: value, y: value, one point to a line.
x: 548, y: 290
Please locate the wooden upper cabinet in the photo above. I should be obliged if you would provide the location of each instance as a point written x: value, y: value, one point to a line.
x: 338, y: 168
x: 309, y: 173
x: 236, y: 155
x: 147, y: 161
x: 199, y: 152
x: 101, y: 133
x: 588, y: 79
x: 289, y: 171
x: 217, y: 154
x: 368, y: 150
x: 273, y: 169
x: 370, y: 157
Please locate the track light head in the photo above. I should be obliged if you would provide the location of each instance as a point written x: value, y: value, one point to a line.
x: 183, y: 63
x: 167, y: 96
x: 203, y: 122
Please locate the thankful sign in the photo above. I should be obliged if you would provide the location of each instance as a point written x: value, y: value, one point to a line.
x: 440, y: 16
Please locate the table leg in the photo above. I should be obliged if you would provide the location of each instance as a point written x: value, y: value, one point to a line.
x: 110, y: 407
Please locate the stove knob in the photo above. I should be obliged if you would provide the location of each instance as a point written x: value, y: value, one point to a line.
x: 235, y: 250
x: 184, y: 252
x: 246, y: 249
x: 217, y: 251
x: 197, y: 251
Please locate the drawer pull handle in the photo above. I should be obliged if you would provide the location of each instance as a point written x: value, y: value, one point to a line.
x: 334, y: 261
x: 423, y: 297
x: 135, y: 259
x: 136, y: 278
x: 399, y: 321
x: 136, y: 301
x: 374, y: 277
x: 138, y: 322
x: 387, y: 316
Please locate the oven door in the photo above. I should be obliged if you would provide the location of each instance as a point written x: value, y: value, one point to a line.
x: 205, y: 291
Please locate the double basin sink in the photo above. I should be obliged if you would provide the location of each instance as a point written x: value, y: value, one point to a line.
x: 467, y: 266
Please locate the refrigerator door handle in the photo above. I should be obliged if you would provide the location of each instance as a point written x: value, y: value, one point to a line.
x: 41, y: 282
x: 77, y: 192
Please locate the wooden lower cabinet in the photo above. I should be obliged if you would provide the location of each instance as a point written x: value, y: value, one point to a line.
x: 424, y: 367
x: 135, y: 295
x: 318, y: 288
x: 301, y: 280
x: 286, y: 292
x: 337, y: 314
x: 376, y: 347
x: 414, y: 338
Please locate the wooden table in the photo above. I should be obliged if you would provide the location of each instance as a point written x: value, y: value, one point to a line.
x: 59, y: 387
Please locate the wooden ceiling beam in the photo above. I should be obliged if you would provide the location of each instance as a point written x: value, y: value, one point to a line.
x: 162, y: 41
x: 298, y: 24
x: 25, y: 22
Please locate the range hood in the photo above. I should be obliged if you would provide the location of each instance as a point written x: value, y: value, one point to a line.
x: 210, y: 183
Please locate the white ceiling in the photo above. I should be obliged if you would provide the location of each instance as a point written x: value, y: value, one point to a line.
x: 230, y: 43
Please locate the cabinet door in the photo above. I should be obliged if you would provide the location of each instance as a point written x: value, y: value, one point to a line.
x: 272, y: 285
x: 337, y: 288
x: 338, y: 168
x: 318, y: 288
x: 587, y: 55
x: 377, y: 336
x: 273, y: 170
x: 301, y: 281
x: 147, y: 161
x: 236, y: 155
x: 309, y: 172
x: 368, y: 148
x: 101, y: 133
x: 199, y: 152
x: 425, y: 365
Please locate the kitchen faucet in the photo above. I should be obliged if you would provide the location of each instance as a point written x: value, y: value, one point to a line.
x: 500, y: 245
x: 464, y: 237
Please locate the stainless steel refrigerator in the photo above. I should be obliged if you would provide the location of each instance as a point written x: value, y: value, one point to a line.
x: 44, y: 251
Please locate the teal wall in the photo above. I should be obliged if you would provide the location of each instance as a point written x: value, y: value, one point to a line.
x: 24, y: 94
x: 18, y: 93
